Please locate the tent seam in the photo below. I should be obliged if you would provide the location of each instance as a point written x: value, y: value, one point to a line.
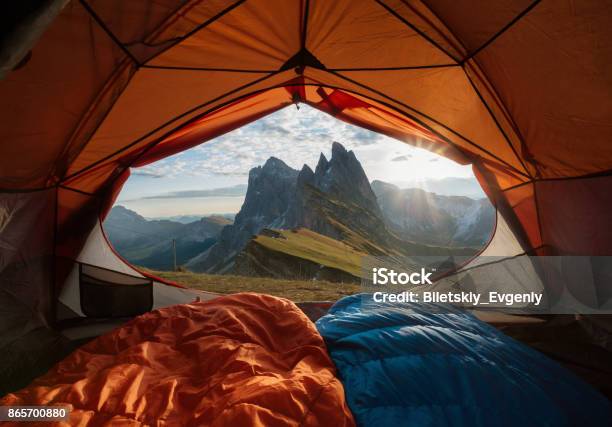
x: 454, y: 43
x: 305, y: 25
x: 195, y: 30
x: 414, y: 67
x: 415, y: 29
x: 500, y: 32
x: 499, y: 127
x: 108, y: 86
x: 163, y: 25
x: 108, y: 32
x: 506, y: 112
x: 230, y: 70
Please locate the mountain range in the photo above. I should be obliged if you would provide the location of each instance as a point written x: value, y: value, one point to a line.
x: 335, y: 200
x: 421, y: 216
x: 305, y: 223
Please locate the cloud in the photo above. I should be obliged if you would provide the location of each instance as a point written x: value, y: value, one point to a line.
x: 296, y: 137
x: 148, y: 173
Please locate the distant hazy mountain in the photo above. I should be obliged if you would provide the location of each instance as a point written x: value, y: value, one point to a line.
x: 186, y: 219
x: 233, y: 191
x: 183, y: 219
x: 451, y: 186
x: 425, y: 217
x: 148, y: 243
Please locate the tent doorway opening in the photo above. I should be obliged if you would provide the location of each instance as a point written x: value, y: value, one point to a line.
x: 298, y: 197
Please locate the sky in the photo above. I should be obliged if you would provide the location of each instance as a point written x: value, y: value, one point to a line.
x: 296, y: 136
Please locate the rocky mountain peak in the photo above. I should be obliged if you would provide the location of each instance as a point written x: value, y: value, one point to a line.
x: 272, y: 167
x: 322, y: 165
x: 305, y: 176
x: 274, y: 163
x: 343, y: 176
x: 338, y: 149
x: 123, y: 214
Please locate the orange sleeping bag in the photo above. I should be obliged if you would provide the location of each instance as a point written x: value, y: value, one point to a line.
x: 239, y: 360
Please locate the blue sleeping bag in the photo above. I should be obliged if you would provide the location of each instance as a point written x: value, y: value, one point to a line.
x: 432, y: 365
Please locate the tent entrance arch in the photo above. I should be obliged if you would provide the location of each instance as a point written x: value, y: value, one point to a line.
x: 310, y: 141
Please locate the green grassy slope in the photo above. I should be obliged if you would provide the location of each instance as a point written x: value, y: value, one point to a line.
x: 295, y: 290
x: 307, y: 244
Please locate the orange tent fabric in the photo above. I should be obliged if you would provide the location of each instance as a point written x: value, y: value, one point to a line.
x: 214, y: 363
x: 520, y: 89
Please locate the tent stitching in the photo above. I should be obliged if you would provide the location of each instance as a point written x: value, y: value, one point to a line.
x: 107, y: 30
x: 415, y: 29
x: 76, y: 190
x: 255, y: 71
x: 602, y: 174
x: 493, y: 116
x: 454, y: 42
x: 414, y: 67
x: 203, y: 25
x: 230, y: 70
x: 501, y: 31
x: 506, y: 112
x: 170, y: 19
x: 108, y: 86
x: 305, y: 25
x: 530, y: 252
x: 54, y: 273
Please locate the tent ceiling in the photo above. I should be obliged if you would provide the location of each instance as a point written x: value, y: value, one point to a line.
x: 521, y: 89
x: 485, y: 76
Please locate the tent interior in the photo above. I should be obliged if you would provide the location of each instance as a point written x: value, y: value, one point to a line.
x: 521, y: 90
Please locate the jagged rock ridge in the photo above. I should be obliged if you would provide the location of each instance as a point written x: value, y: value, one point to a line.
x: 335, y: 200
